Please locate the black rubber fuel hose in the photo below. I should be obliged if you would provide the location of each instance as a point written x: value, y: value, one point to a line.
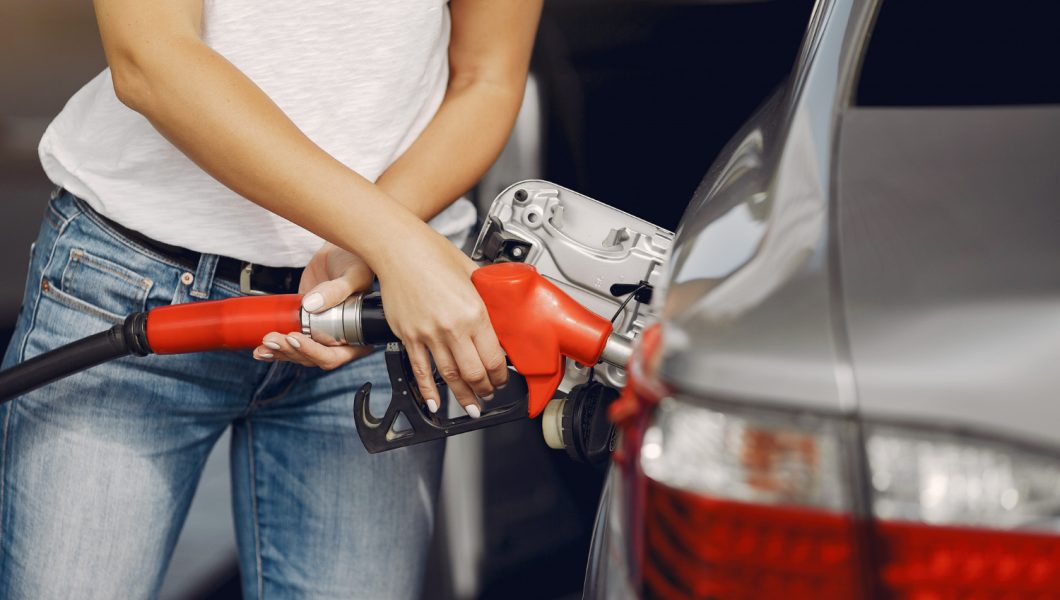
x: 121, y: 340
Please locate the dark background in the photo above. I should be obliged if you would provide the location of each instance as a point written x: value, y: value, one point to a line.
x: 638, y: 99
x: 641, y: 96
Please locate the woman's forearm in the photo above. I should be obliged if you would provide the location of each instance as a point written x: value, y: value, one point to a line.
x: 489, y: 56
x: 458, y: 146
x: 228, y: 126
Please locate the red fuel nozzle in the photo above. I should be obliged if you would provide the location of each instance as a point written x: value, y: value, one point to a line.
x: 537, y: 325
x: 231, y: 324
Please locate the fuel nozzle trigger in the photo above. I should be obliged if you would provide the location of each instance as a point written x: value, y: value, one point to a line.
x: 382, y: 433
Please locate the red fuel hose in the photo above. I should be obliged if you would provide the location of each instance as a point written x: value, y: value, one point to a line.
x: 536, y: 323
x: 230, y: 324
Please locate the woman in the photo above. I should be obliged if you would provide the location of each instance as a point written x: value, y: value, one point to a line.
x: 226, y: 142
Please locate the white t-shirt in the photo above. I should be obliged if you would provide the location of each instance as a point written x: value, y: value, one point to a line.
x: 361, y: 78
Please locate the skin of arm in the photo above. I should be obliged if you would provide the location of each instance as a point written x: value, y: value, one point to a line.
x: 489, y: 56
x: 223, y: 122
x: 488, y: 64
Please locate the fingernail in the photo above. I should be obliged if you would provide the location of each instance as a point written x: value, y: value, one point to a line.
x: 266, y: 355
x: 432, y: 405
x: 487, y: 397
x: 272, y: 345
x: 293, y: 342
x: 313, y: 301
x: 473, y: 411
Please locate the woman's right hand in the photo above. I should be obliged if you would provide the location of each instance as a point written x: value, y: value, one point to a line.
x: 436, y: 311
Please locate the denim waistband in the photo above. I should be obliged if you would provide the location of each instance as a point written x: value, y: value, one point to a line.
x: 257, y: 278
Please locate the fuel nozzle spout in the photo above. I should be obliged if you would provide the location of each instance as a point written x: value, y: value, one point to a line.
x: 617, y: 350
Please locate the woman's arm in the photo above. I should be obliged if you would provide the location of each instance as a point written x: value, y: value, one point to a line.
x: 489, y: 56
x: 221, y: 120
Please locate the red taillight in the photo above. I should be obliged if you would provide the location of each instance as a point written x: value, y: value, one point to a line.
x: 702, y: 547
x: 922, y: 562
x: 743, y: 502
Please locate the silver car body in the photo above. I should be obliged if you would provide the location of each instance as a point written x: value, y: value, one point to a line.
x: 893, y: 264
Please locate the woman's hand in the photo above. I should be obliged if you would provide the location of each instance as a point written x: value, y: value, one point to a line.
x: 436, y: 311
x: 220, y: 119
x: 332, y: 275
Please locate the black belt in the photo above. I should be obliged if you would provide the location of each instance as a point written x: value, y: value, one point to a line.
x: 251, y: 278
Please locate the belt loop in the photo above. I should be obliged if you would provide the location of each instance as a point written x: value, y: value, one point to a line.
x: 204, y: 276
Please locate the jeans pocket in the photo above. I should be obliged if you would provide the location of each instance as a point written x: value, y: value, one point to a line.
x: 95, y: 285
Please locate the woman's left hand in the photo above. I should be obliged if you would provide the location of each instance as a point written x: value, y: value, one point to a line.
x: 332, y: 275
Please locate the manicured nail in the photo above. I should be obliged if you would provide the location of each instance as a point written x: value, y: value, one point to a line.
x: 313, y: 301
x: 293, y: 342
x: 473, y: 411
x: 272, y: 345
x: 487, y: 397
x: 432, y: 405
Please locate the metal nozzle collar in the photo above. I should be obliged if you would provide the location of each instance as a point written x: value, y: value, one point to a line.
x: 337, y: 326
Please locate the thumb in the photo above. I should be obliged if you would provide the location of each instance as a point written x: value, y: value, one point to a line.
x: 326, y: 294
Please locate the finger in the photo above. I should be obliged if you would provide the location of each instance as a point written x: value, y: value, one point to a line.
x: 492, y: 355
x: 421, y: 369
x: 450, y: 372
x: 281, y: 347
x: 325, y: 357
x: 472, y: 371
x: 327, y: 294
x: 264, y: 354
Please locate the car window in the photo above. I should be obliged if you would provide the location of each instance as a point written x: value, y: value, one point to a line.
x: 962, y: 53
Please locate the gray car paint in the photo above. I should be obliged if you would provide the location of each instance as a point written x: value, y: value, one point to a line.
x: 746, y: 303
x: 749, y: 310
x: 948, y: 223
x: 894, y: 264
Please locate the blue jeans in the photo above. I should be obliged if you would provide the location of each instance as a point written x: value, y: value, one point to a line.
x: 97, y: 470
